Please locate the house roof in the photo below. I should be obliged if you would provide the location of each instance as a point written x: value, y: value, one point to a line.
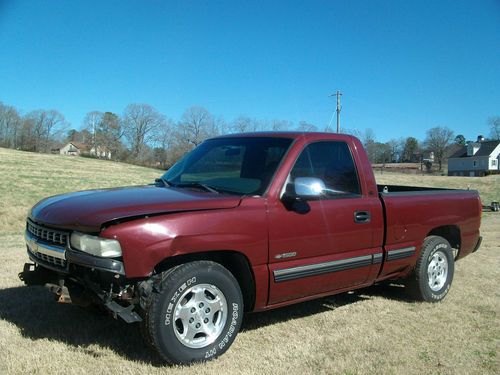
x: 455, y: 149
x: 460, y: 153
x: 79, y: 145
x: 485, y: 149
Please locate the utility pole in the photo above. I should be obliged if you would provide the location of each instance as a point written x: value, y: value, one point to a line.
x: 338, y: 94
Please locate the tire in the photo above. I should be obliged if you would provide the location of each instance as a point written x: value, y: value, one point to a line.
x: 144, y: 313
x: 434, y: 270
x: 194, y: 314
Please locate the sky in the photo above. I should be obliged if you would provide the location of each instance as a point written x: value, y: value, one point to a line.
x: 403, y: 66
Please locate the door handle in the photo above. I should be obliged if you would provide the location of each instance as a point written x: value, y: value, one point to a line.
x: 362, y: 217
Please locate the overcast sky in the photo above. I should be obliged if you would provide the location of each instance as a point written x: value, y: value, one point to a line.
x: 403, y: 66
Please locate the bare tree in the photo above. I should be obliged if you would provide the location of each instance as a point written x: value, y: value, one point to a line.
x: 196, y: 125
x: 91, y: 124
x: 74, y: 135
x: 140, y: 123
x: 27, y: 140
x: 437, y: 141
x: 368, y: 136
x: 55, y: 127
x: 355, y: 132
x: 244, y: 124
x: 394, y: 146
x: 370, y: 144
x: 102, y: 131
x: 44, y: 125
x: 305, y: 126
x: 241, y: 125
x: 384, y: 153
x: 109, y: 133
x: 165, y: 144
x: 281, y: 125
x: 10, y: 124
x: 494, y: 123
x: 219, y: 126
x: 378, y: 152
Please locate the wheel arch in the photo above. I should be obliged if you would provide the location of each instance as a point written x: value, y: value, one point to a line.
x: 234, y: 261
x: 451, y: 233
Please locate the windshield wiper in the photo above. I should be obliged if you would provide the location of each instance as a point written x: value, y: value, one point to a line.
x: 200, y: 185
x: 163, y: 181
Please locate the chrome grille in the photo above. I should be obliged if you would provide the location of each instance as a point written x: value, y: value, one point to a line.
x: 49, y: 259
x: 47, y: 234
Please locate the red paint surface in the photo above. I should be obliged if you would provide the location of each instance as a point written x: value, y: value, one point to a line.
x: 185, y: 222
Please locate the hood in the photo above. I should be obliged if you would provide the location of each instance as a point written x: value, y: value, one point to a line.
x: 87, y: 211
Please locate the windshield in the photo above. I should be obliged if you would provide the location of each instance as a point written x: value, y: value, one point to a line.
x: 233, y: 165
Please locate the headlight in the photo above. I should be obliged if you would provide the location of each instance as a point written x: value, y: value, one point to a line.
x: 101, y: 247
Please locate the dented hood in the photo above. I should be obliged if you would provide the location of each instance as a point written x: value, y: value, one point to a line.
x: 88, y: 210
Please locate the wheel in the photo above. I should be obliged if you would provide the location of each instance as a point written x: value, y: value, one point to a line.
x: 434, y: 270
x: 194, y: 314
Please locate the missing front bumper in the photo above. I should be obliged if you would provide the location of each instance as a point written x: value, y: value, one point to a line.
x: 67, y: 290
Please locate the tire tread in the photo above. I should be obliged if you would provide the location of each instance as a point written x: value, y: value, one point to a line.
x: 167, y: 282
x: 417, y: 282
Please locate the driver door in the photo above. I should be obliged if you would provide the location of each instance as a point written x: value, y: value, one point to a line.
x: 326, y: 245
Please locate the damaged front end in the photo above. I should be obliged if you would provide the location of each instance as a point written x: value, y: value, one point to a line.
x: 75, y: 276
x: 118, y: 300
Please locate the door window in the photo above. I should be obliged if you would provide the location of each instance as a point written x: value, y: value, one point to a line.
x: 332, y: 162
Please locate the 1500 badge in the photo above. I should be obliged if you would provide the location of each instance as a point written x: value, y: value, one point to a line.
x: 290, y: 254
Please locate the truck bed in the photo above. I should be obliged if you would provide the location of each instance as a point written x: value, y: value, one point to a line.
x: 412, y: 213
x: 390, y: 189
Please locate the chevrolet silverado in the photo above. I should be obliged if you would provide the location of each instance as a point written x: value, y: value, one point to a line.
x: 244, y: 223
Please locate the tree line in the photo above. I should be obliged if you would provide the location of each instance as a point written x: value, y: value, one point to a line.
x: 142, y: 135
x: 440, y: 142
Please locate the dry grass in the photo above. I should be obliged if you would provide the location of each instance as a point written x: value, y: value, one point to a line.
x: 376, y: 330
x: 25, y: 178
x: 488, y: 187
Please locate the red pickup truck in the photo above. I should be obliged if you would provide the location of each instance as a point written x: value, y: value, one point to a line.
x: 242, y: 223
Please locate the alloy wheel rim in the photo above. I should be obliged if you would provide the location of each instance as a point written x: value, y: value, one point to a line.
x: 437, y: 271
x: 200, y: 315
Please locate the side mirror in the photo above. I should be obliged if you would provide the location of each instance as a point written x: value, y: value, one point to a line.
x: 309, y: 187
x: 303, y: 188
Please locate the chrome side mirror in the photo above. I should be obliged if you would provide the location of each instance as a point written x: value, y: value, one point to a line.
x: 309, y: 187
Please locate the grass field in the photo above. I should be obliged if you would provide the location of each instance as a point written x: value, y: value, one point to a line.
x: 375, y: 330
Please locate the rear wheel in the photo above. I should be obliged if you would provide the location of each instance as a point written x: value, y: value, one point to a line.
x: 434, y: 270
x: 195, y: 313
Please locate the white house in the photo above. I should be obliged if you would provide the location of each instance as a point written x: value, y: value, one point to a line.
x: 78, y: 148
x: 73, y: 149
x: 476, y: 159
x: 101, y: 152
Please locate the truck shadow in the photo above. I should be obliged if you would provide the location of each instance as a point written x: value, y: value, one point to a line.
x: 36, y: 314
x: 254, y: 321
x: 390, y: 291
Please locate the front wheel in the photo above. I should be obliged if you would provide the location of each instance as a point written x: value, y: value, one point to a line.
x: 195, y: 313
x: 434, y: 270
